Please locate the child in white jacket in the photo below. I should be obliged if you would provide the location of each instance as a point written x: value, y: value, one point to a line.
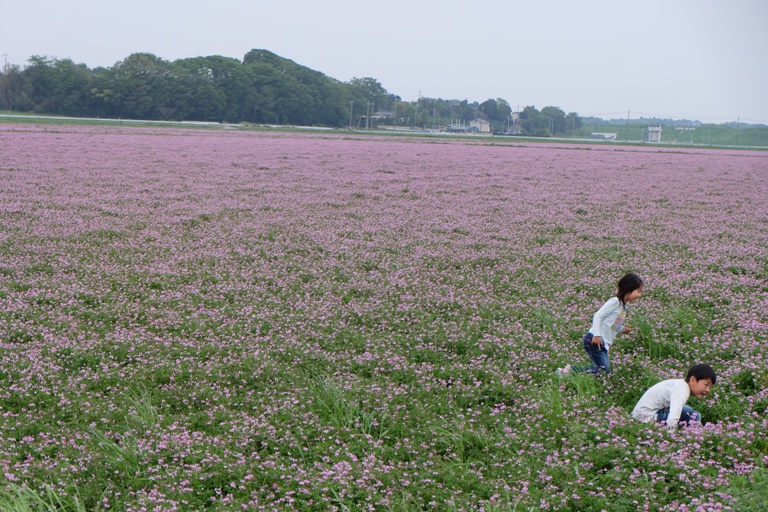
x: 665, y: 402
x: 606, y: 324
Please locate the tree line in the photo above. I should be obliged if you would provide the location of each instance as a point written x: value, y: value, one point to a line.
x: 263, y: 88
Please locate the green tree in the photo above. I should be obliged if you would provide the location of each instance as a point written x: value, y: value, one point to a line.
x: 534, y: 123
x: 556, y: 119
x: 58, y: 86
x: 102, y: 95
x: 466, y: 111
x: 208, y: 83
x: 504, y: 111
x: 142, y: 86
x: 39, y: 77
x: 423, y: 113
x: 368, y: 96
x: 231, y: 77
x: 266, y: 86
x: 444, y: 112
x: 488, y: 110
x: 369, y: 90
x: 11, y: 85
x: 326, y: 98
x: 573, y: 122
x: 286, y: 92
x: 497, y: 113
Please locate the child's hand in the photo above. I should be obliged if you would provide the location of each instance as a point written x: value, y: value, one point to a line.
x: 626, y: 330
x: 598, y: 341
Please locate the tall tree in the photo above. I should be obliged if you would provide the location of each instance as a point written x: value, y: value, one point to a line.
x: 11, y: 83
x: 286, y: 92
x: 142, y: 85
x: 496, y: 111
x: 466, y: 111
x: 534, y: 123
x: 208, y: 82
x: 369, y: 89
x: 58, y: 86
x: 572, y: 121
x: 504, y: 110
x: 556, y: 119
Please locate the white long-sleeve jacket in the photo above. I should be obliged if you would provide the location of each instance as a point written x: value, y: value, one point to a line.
x: 671, y: 393
x: 608, y: 320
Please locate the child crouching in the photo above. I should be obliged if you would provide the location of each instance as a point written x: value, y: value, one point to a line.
x: 665, y: 402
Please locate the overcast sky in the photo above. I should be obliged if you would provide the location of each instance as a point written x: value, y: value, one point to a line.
x: 695, y: 59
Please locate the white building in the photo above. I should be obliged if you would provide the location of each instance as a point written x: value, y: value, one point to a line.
x: 481, y: 125
x: 654, y: 133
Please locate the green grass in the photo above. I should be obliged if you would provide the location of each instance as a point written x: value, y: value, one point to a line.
x: 333, y: 407
x: 751, y: 492
x: 24, y: 499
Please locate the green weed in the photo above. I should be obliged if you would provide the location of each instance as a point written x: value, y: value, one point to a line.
x: 143, y: 412
x: 121, y: 454
x: 333, y: 407
x: 652, y: 344
x: 750, y: 492
x: 15, y: 498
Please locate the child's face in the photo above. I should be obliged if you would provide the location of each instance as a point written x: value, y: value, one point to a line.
x: 632, y: 296
x: 700, y: 388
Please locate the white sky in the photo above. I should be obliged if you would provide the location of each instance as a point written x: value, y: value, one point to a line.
x: 695, y: 59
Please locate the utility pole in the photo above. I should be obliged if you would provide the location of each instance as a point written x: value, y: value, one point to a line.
x: 626, y: 131
x: 737, y: 130
x: 394, y: 118
x: 351, y: 105
x: 5, y: 70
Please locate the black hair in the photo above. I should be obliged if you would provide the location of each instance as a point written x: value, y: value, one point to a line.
x: 627, y: 284
x: 701, y: 371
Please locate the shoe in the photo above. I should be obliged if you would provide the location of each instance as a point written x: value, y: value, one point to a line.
x: 565, y: 370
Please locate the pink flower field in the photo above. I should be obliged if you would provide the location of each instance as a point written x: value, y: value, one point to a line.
x: 231, y: 320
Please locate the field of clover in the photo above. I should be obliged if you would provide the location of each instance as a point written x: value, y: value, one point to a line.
x: 260, y: 320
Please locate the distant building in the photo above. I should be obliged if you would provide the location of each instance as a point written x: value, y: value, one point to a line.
x: 383, y: 114
x: 480, y: 125
x: 654, y: 133
x: 514, y: 127
x: 457, y: 126
x: 603, y: 136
